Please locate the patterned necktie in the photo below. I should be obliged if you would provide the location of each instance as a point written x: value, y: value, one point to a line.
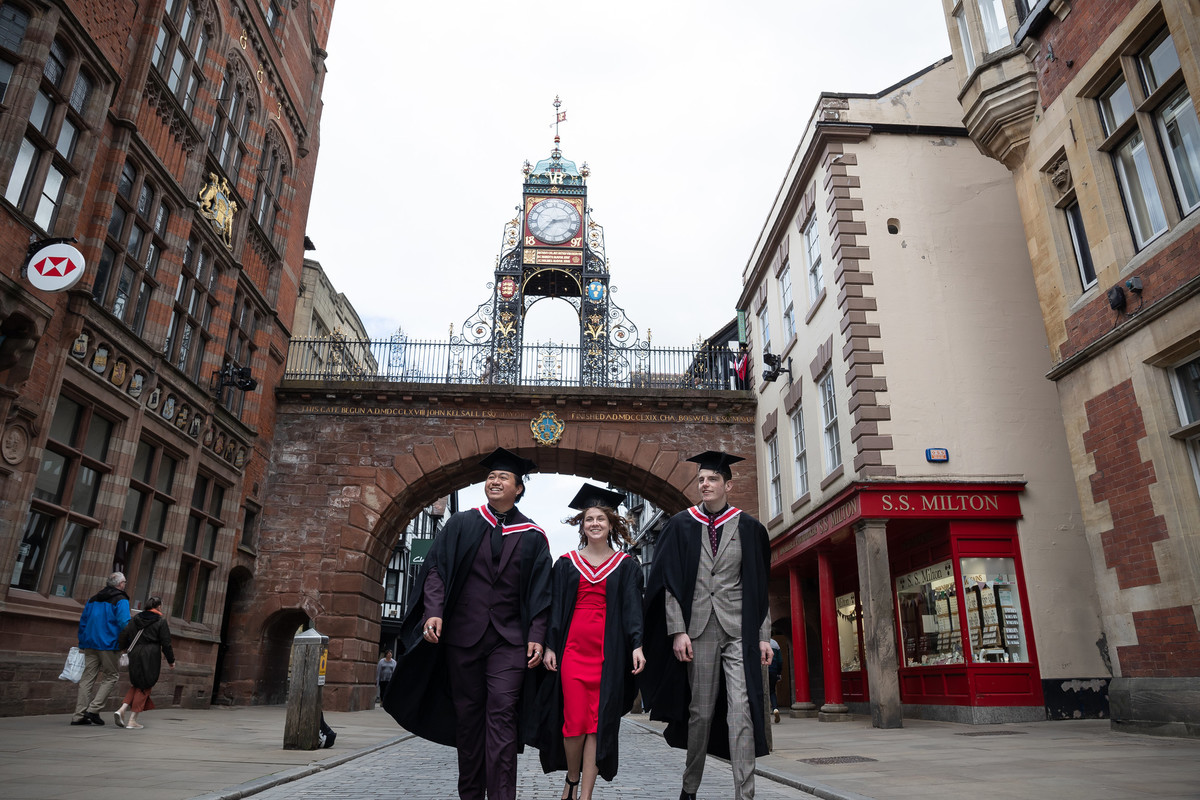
x: 712, y: 533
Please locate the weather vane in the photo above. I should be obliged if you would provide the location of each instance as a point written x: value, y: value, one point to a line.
x: 559, y: 116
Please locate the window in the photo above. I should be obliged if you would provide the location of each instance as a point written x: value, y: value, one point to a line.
x: 199, y: 549
x: 239, y: 349
x: 848, y: 618
x: 995, y: 621
x: 764, y: 326
x: 125, y: 276
x: 274, y: 15
x: 1185, y: 382
x: 13, y: 22
x: 800, y: 469
x: 144, y: 521
x: 193, y: 304
x: 268, y: 189
x: 995, y: 26
x: 179, y: 51
x: 812, y: 255
x: 231, y: 127
x: 930, y: 623
x: 249, y: 527
x: 1151, y: 129
x: 964, y: 35
x: 63, y: 512
x: 46, y: 158
x: 773, y: 472
x: 785, y: 294
x: 1079, y: 242
x: 1180, y: 133
x: 829, y: 415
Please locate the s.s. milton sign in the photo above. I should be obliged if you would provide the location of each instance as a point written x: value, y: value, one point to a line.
x: 998, y: 504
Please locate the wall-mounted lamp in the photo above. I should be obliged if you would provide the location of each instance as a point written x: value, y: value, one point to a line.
x: 775, y: 367
x: 237, y: 377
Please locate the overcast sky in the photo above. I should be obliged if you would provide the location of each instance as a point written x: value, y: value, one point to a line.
x: 687, y: 113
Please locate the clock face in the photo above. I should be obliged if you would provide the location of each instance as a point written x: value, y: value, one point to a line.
x: 554, y: 221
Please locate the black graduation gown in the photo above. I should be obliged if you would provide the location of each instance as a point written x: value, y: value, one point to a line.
x: 419, y: 695
x: 618, y: 688
x: 664, y: 684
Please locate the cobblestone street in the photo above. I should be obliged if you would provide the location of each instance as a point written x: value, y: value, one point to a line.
x: 416, y: 768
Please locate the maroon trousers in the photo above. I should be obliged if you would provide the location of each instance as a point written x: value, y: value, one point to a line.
x: 485, y: 679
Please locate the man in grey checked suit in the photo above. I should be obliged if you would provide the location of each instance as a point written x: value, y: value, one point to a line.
x: 709, y: 584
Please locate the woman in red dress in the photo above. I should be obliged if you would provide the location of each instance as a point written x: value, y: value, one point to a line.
x: 594, y: 646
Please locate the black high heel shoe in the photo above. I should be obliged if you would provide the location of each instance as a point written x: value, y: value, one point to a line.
x: 571, y: 786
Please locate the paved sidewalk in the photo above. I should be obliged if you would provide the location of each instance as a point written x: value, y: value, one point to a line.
x: 233, y: 753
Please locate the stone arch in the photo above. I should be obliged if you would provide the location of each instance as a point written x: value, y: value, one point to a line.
x: 275, y: 648
x: 348, y: 472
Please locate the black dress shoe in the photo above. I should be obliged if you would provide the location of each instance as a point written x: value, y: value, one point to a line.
x: 683, y: 795
x: 330, y: 738
x: 94, y: 718
x: 84, y: 721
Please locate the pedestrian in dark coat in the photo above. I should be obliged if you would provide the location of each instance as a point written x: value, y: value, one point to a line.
x: 145, y: 660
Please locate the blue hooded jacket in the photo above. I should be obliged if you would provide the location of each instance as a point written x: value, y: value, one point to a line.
x: 103, y: 618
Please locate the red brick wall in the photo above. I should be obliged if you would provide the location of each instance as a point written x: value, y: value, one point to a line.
x: 1075, y: 39
x: 1166, y: 272
x: 1122, y: 480
x: 1168, y: 645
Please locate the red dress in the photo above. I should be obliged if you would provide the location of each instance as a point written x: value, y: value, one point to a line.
x: 582, y: 657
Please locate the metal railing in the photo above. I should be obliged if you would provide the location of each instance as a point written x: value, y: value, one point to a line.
x: 541, y: 364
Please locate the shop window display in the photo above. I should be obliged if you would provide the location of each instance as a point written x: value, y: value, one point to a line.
x: 847, y: 623
x: 995, y: 626
x: 927, y: 602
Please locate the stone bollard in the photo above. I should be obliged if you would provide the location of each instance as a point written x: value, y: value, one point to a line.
x: 302, y: 727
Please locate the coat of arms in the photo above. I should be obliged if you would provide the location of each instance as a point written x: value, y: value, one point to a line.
x: 216, y: 205
x: 547, y: 428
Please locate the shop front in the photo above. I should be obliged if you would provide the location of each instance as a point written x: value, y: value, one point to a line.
x: 920, y: 605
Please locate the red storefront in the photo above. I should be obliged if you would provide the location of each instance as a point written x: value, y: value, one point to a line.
x: 919, y: 600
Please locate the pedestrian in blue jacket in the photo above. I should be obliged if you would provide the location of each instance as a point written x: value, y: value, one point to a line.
x: 103, y: 618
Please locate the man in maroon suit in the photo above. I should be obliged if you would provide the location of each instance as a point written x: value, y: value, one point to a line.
x: 474, y: 634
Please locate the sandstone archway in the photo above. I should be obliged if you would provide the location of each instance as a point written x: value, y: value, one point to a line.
x: 352, y: 466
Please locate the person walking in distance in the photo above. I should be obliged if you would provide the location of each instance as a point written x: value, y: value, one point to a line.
x: 100, y: 625
x: 708, y: 630
x: 383, y: 673
x: 473, y: 638
x: 147, y: 637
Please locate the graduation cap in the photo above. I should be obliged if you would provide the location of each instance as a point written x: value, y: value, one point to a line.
x: 590, y: 496
x: 716, y: 461
x: 501, y: 459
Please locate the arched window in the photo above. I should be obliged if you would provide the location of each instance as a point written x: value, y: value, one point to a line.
x: 179, y: 51
x: 46, y: 160
x: 239, y: 348
x: 231, y: 127
x: 268, y: 192
x: 192, y: 310
x: 13, y: 22
x: 126, y: 275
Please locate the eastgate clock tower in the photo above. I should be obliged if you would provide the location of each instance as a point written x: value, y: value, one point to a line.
x: 551, y: 249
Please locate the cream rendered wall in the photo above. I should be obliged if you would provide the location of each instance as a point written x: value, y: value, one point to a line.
x: 963, y: 339
x: 965, y: 359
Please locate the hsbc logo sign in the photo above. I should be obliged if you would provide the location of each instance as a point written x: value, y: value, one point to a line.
x: 55, y: 268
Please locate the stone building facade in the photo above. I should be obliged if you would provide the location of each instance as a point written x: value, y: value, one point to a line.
x: 1091, y: 108
x: 176, y: 141
x: 913, y: 470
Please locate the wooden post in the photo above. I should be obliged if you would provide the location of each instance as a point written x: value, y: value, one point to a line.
x: 878, y: 623
x: 302, y: 726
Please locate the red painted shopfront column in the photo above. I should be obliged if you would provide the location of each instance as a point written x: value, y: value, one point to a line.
x: 834, y: 709
x: 804, y: 705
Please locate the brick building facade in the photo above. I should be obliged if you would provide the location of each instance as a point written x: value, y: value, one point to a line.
x: 176, y: 140
x: 1091, y: 107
